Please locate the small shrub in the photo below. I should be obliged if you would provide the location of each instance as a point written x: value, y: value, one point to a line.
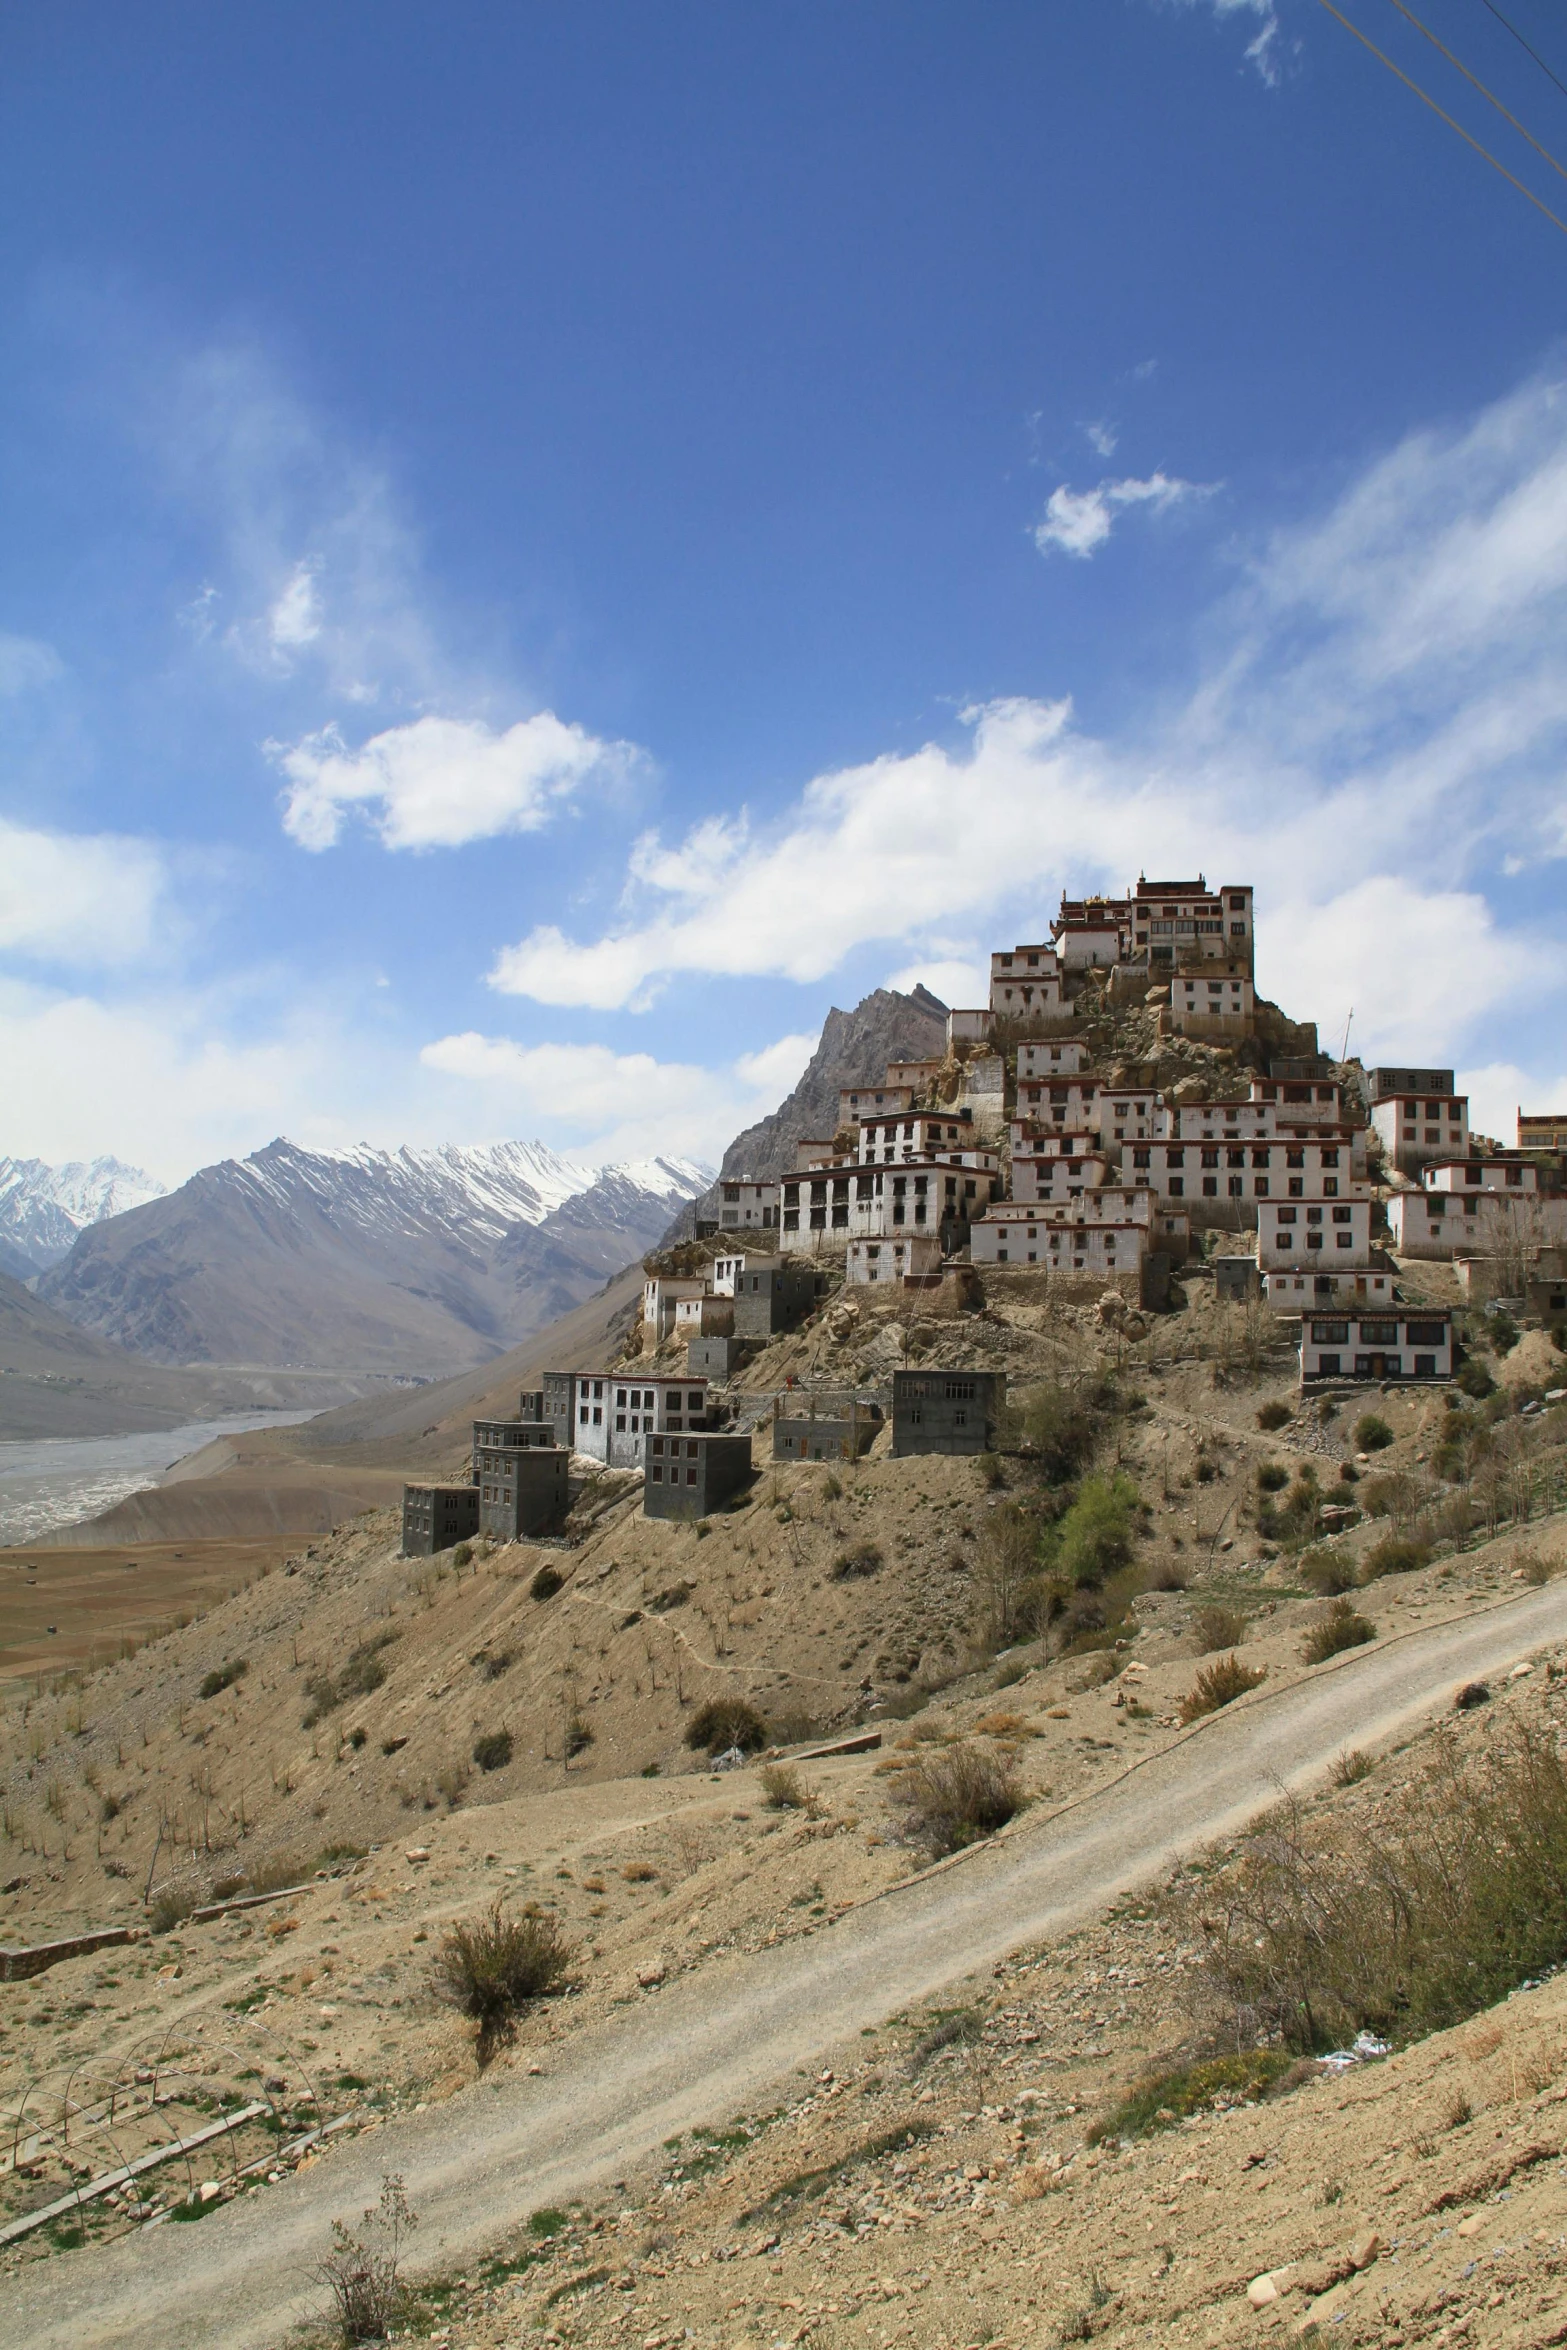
x: 783, y: 1789
x: 357, y: 1737
x: 579, y: 1737
x: 1372, y: 1433
x: 956, y: 1796
x: 1165, y: 1575
x: 170, y: 1908
x: 492, y: 1752
x: 1395, y: 1554
x: 1348, y: 1474
x: 1272, y: 1477
x: 1217, y: 1627
x: 1533, y: 1569
x: 277, y: 1871
x: 1341, y: 1628
x: 865, y: 1558
x: 545, y: 1584
x: 1219, y: 1685
x: 360, y: 2271
x: 224, y: 1677
x: 962, y: 2030
x: 1160, y: 2100
x: 490, y: 1967
x: 992, y: 1470
x: 1476, y: 1381
x: 462, y: 1555
x: 493, y: 1662
x: 1351, y: 1767
x: 638, y: 1872
x: 1096, y: 1532
x: 724, y: 1722
x: 1057, y: 1428
x: 1274, y: 1415
x: 1472, y: 1694
x: 1328, y: 1572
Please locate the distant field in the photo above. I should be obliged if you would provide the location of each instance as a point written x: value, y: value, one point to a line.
x: 100, y: 1598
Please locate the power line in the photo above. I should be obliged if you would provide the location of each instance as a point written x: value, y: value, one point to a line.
x: 1427, y: 100
x: 1474, y: 78
x: 1523, y: 44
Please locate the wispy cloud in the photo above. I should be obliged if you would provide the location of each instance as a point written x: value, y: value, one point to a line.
x: 86, y: 901
x: 1077, y: 522
x: 439, y: 782
x: 26, y: 663
x: 1263, y: 49
x: 1382, y: 720
x: 1101, y: 438
x: 618, y: 1105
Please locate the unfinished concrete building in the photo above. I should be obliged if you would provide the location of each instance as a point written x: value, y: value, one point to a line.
x: 436, y: 1516
x: 523, y: 1489
x: 691, y: 1476
x: 946, y: 1411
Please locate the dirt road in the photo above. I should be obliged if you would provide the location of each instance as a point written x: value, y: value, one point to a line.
x: 699, y: 2049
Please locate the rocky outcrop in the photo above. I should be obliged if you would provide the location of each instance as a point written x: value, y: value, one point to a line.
x: 855, y: 1048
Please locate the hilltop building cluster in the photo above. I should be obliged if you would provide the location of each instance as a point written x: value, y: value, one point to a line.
x: 1035, y: 1148
x: 1025, y: 1148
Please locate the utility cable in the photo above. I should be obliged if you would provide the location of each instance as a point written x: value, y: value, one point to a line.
x: 1427, y: 100
x: 1474, y: 78
x: 1508, y: 26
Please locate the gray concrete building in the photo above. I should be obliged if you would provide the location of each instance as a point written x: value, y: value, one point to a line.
x: 522, y: 1489
x: 771, y: 1298
x: 436, y: 1516
x: 840, y: 1432
x: 557, y: 1399
x: 946, y: 1411
x: 716, y: 1358
x: 511, y: 1435
x: 691, y: 1476
x: 1236, y: 1280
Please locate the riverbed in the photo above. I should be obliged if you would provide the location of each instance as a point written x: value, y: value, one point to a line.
x: 49, y: 1482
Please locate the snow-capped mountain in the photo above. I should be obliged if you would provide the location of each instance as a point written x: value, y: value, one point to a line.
x: 43, y: 1208
x: 365, y: 1259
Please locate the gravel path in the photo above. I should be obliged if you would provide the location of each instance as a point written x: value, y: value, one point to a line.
x: 719, y: 2040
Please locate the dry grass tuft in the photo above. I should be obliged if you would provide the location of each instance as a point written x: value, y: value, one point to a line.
x: 1217, y: 1627
x: 490, y: 1967
x: 1340, y: 1628
x: 954, y: 1797
x: 1220, y: 1685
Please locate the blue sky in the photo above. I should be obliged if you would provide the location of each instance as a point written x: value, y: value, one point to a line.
x: 543, y: 547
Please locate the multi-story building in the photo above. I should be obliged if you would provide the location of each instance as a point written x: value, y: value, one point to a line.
x: 1239, y: 1175
x: 617, y: 1414
x: 747, y: 1206
x: 1038, y: 1057
x: 916, y: 1256
x: 946, y: 1411
x: 1206, y: 1006
x: 523, y: 1489
x: 1477, y: 1207
x: 1093, y: 1246
x: 856, y: 1102
x: 1060, y: 1101
x: 825, y: 1210
x: 1052, y: 1175
x: 692, y: 1476
x: 920, y: 1134
x: 1542, y: 1130
x: 1416, y: 1128
x: 1304, y: 1235
x: 1384, y: 1082
x: 1168, y: 1228
x: 1025, y: 983
x: 1300, y: 1292
x: 1301, y: 1103
x: 661, y: 1294
x: 1394, y: 1342
x: 436, y: 1516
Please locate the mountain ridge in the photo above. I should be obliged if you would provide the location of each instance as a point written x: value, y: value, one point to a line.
x: 44, y: 1207
x: 364, y: 1260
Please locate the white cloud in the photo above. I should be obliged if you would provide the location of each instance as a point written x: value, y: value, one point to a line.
x: 777, y: 1068
x: 156, y: 1081
x: 26, y: 662
x: 86, y: 900
x: 1078, y: 521
x: 439, y: 782
x: 1101, y: 438
x: 962, y: 981
x: 295, y: 618
x: 1381, y: 723
x: 1263, y: 49
x: 619, y: 1105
